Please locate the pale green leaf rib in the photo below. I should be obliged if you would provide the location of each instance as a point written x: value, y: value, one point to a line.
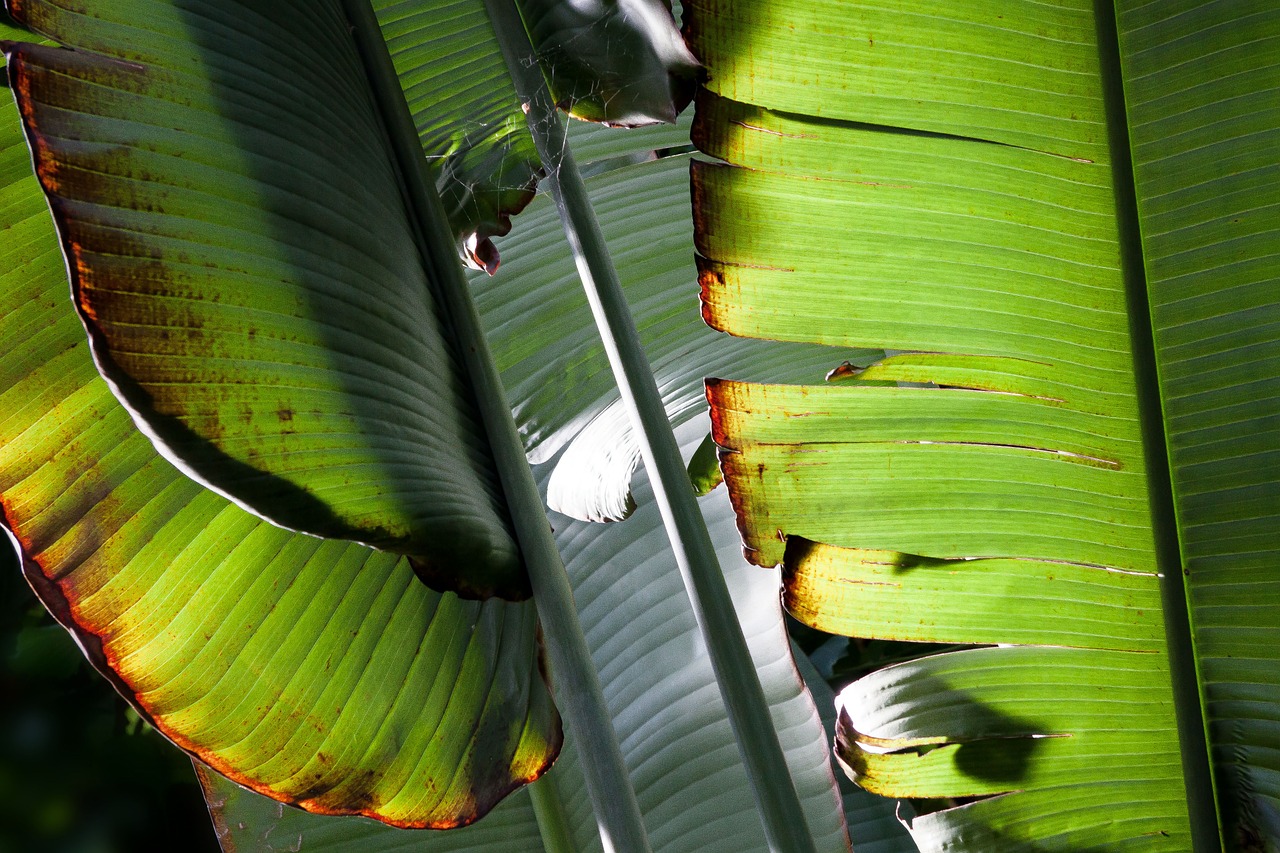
x: 1203, y: 91
x: 667, y: 707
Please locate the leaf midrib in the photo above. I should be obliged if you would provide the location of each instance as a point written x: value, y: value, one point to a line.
x: 1184, y: 672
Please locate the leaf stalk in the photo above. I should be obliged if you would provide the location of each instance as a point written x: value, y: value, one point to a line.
x: 770, y: 778
x: 577, y: 684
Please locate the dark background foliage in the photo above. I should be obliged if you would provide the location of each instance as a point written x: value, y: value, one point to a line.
x: 80, y: 772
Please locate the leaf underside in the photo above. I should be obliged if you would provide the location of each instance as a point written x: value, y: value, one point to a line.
x: 247, y: 270
x: 635, y: 612
x: 1203, y: 90
x: 320, y: 673
x: 953, y: 184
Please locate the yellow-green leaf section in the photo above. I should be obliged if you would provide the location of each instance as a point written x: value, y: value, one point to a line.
x: 1066, y: 230
x: 321, y: 673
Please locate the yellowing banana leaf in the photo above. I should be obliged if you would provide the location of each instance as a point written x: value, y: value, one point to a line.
x: 322, y: 673
x: 249, y: 272
x: 1064, y: 218
x: 259, y: 305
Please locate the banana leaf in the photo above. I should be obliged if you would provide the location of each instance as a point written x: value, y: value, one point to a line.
x: 663, y: 700
x: 228, y: 255
x: 1062, y: 218
x: 288, y: 617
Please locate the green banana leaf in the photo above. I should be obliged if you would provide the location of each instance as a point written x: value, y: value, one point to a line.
x: 1064, y: 219
x: 318, y: 671
x: 175, y: 145
x: 247, y: 291
x: 659, y: 678
x: 234, y: 585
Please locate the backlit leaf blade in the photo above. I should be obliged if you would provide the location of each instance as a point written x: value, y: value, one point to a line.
x: 258, y: 303
x: 321, y: 673
x: 942, y: 473
x: 1032, y: 721
x: 959, y: 69
x: 1037, y: 602
x: 926, y: 182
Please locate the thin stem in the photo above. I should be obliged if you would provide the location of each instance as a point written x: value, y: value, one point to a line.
x: 749, y: 715
x: 577, y: 685
x: 553, y: 824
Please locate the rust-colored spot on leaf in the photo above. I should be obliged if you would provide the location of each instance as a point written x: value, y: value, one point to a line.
x: 717, y: 391
x: 711, y: 287
x: 700, y: 199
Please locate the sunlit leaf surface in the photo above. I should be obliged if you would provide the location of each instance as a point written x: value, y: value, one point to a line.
x: 957, y: 184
